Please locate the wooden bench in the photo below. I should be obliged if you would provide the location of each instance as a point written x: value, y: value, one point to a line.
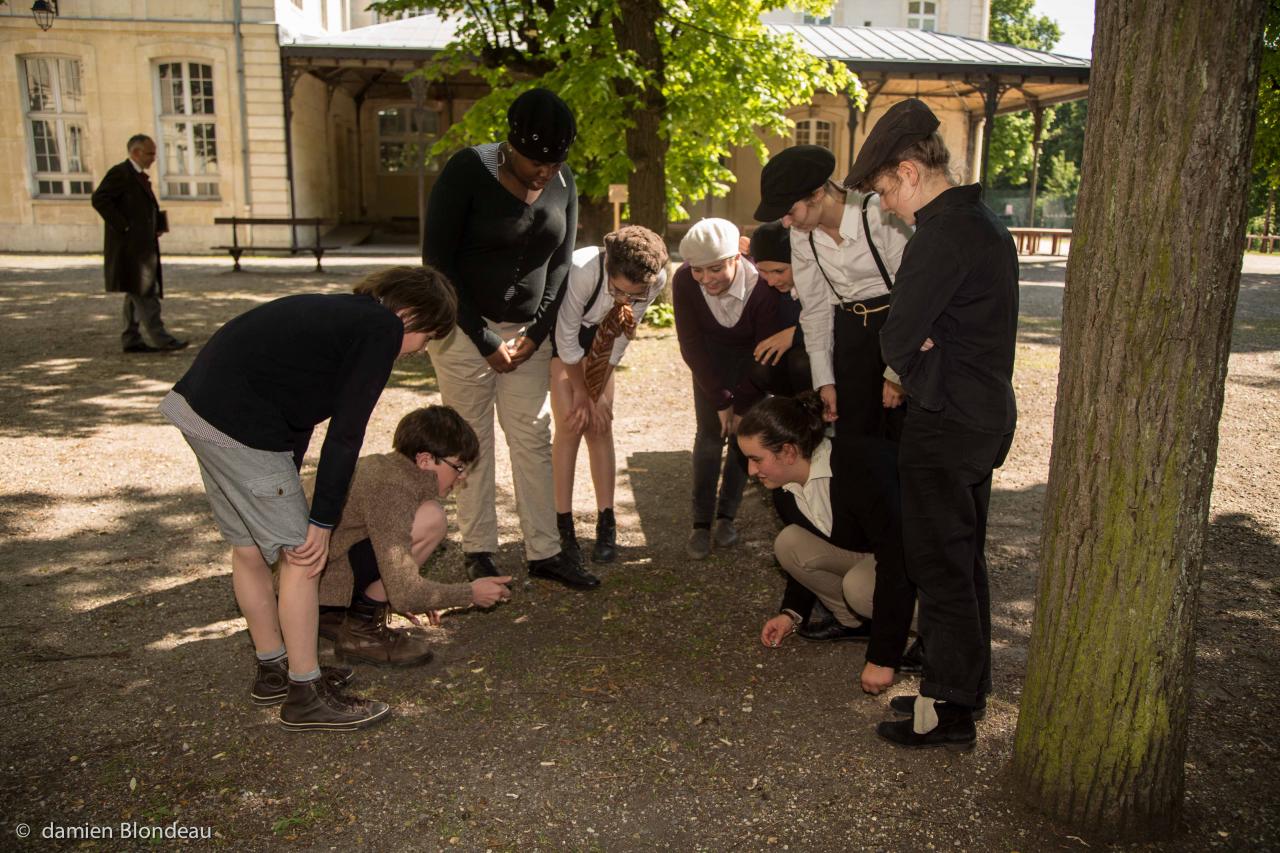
x: 1028, y: 239
x: 236, y: 249
x: 1264, y: 242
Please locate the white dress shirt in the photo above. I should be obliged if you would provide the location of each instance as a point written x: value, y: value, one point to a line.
x: 575, y: 313
x: 813, y: 496
x: 727, y: 307
x: 852, y: 270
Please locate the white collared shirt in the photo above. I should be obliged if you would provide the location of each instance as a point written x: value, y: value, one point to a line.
x: 852, y: 270
x: 813, y: 497
x: 575, y: 313
x: 135, y: 166
x: 727, y: 307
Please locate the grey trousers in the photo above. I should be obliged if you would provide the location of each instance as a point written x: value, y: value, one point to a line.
x: 144, y: 310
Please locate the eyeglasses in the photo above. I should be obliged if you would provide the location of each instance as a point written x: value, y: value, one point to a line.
x: 632, y: 298
x: 459, y: 468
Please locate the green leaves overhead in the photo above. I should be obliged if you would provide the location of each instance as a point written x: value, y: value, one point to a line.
x: 722, y: 77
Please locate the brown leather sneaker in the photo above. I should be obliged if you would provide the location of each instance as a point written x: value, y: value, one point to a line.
x: 331, y: 623
x: 315, y: 706
x: 271, y: 681
x: 371, y: 640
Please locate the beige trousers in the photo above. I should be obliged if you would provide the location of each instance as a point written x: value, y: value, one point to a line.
x: 845, y: 581
x: 475, y: 390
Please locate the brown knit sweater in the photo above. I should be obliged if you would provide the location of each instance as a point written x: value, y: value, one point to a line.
x: 386, y: 491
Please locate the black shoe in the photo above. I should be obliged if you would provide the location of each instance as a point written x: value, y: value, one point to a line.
x: 833, y: 630
x: 271, y: 681
x: 955, y: 731
x: 563, y: 571
x: 141, y: 347
x: 606, y: 548
x: 480, y: 565
x: 174, y: 345
x: 570, y: 552
x: 912, y: 662
x: 906, y: 706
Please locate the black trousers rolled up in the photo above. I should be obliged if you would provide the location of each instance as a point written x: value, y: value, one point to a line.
x: 945, y: 469
x: 859, y: 371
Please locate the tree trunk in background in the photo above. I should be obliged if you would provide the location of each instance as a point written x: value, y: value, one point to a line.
x: 635, y: 28
x: 1151, y: 291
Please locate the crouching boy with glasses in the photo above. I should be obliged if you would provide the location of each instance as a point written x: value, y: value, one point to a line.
x: 391, y: 525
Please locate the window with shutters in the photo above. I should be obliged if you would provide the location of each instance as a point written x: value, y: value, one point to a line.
x: 922, y: 15
x: 813, y: 132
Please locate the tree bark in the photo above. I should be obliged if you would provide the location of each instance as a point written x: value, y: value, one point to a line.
x: 635, y: 28
x: 1151, y: 291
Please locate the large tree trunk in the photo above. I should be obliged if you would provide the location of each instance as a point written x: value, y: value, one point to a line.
x: 635, y: 28
x: 1151, y: 291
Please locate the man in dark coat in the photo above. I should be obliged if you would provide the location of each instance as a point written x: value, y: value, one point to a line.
x: 134, y: 223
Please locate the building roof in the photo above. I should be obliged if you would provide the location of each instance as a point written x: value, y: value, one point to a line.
x: 889, y: 61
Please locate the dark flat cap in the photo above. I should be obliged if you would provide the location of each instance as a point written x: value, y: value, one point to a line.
x: 904, y: 124
x: 541, y: 125
x: 790, y: 175
x: 771, y: 242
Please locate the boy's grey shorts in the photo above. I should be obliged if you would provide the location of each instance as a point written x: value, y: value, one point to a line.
x: 256, y: 496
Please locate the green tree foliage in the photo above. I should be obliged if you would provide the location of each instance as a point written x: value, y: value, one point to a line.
x: 720, y: 78
x: 1266, y: 138
x: 1013, y: 22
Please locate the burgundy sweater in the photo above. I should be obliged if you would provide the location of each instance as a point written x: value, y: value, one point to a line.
x: 702, y: 337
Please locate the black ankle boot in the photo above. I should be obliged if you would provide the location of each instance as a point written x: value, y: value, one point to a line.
x: 606, y: 547
x: 570, y: 553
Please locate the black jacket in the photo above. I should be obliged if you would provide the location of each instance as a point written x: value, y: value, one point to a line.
x: 866, y: 516
x: 958, y: 284
x: 130, y: 244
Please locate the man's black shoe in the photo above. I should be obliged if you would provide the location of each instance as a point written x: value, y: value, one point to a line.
x: 912, y: 659
x: 955, y: 731
x: 906, y: 705
x: 174, y: 345
x: 141, y: 347
x: 563, y: 571
x: 480, y: 565
x: 833, y: 630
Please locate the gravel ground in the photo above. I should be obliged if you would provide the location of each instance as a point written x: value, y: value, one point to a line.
x: 643, y: 716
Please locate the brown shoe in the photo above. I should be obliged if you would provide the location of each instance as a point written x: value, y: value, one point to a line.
x: 315, y: 706
x: 366, y: 637
x: 271, y: 681
x: 331, y: 623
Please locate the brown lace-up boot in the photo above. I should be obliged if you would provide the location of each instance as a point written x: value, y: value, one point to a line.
x: 366, y: 637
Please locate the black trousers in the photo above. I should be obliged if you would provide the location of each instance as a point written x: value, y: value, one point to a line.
x: 732, y: 364
x: 859, y: 372
x: 945, y: 469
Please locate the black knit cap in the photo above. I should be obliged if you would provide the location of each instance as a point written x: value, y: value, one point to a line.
x: 541, y: 126
x: 903, y: 125
x: 771, y: 242
x: 790, y: 175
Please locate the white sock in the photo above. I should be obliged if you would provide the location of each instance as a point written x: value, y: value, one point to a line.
x: 924, y: 717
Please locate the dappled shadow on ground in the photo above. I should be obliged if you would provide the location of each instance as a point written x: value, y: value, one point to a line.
x: 60, y: 342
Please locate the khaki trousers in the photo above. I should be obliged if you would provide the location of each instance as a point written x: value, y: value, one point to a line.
x: 845, y: 581
x: 474, y: 389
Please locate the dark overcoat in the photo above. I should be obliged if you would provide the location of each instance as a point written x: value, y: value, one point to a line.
x: 130, y: 244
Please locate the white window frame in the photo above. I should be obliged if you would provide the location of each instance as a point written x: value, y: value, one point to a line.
x: 408, y: 138
x: 925, y: 15
x: 180, y: 128
x: 809, y: 131
x: 814, y: 20
x: 69, y: 126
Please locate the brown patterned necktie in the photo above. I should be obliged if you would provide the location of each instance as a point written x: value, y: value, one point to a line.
x: 620, y: 320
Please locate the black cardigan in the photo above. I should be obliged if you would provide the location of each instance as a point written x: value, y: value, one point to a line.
x: 269, y: 376
x: 507, y: 260
x: 866, y: 516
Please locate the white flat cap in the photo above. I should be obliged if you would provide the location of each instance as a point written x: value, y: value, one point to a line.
x: 709, y: 241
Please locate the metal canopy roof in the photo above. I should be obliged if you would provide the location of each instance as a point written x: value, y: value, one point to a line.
x: 892, y: 62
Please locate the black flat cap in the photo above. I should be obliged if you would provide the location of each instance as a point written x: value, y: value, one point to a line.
x: 771, y: 242
x: 904, y: 124
x: 790, y: 175
x: 541, y: 125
